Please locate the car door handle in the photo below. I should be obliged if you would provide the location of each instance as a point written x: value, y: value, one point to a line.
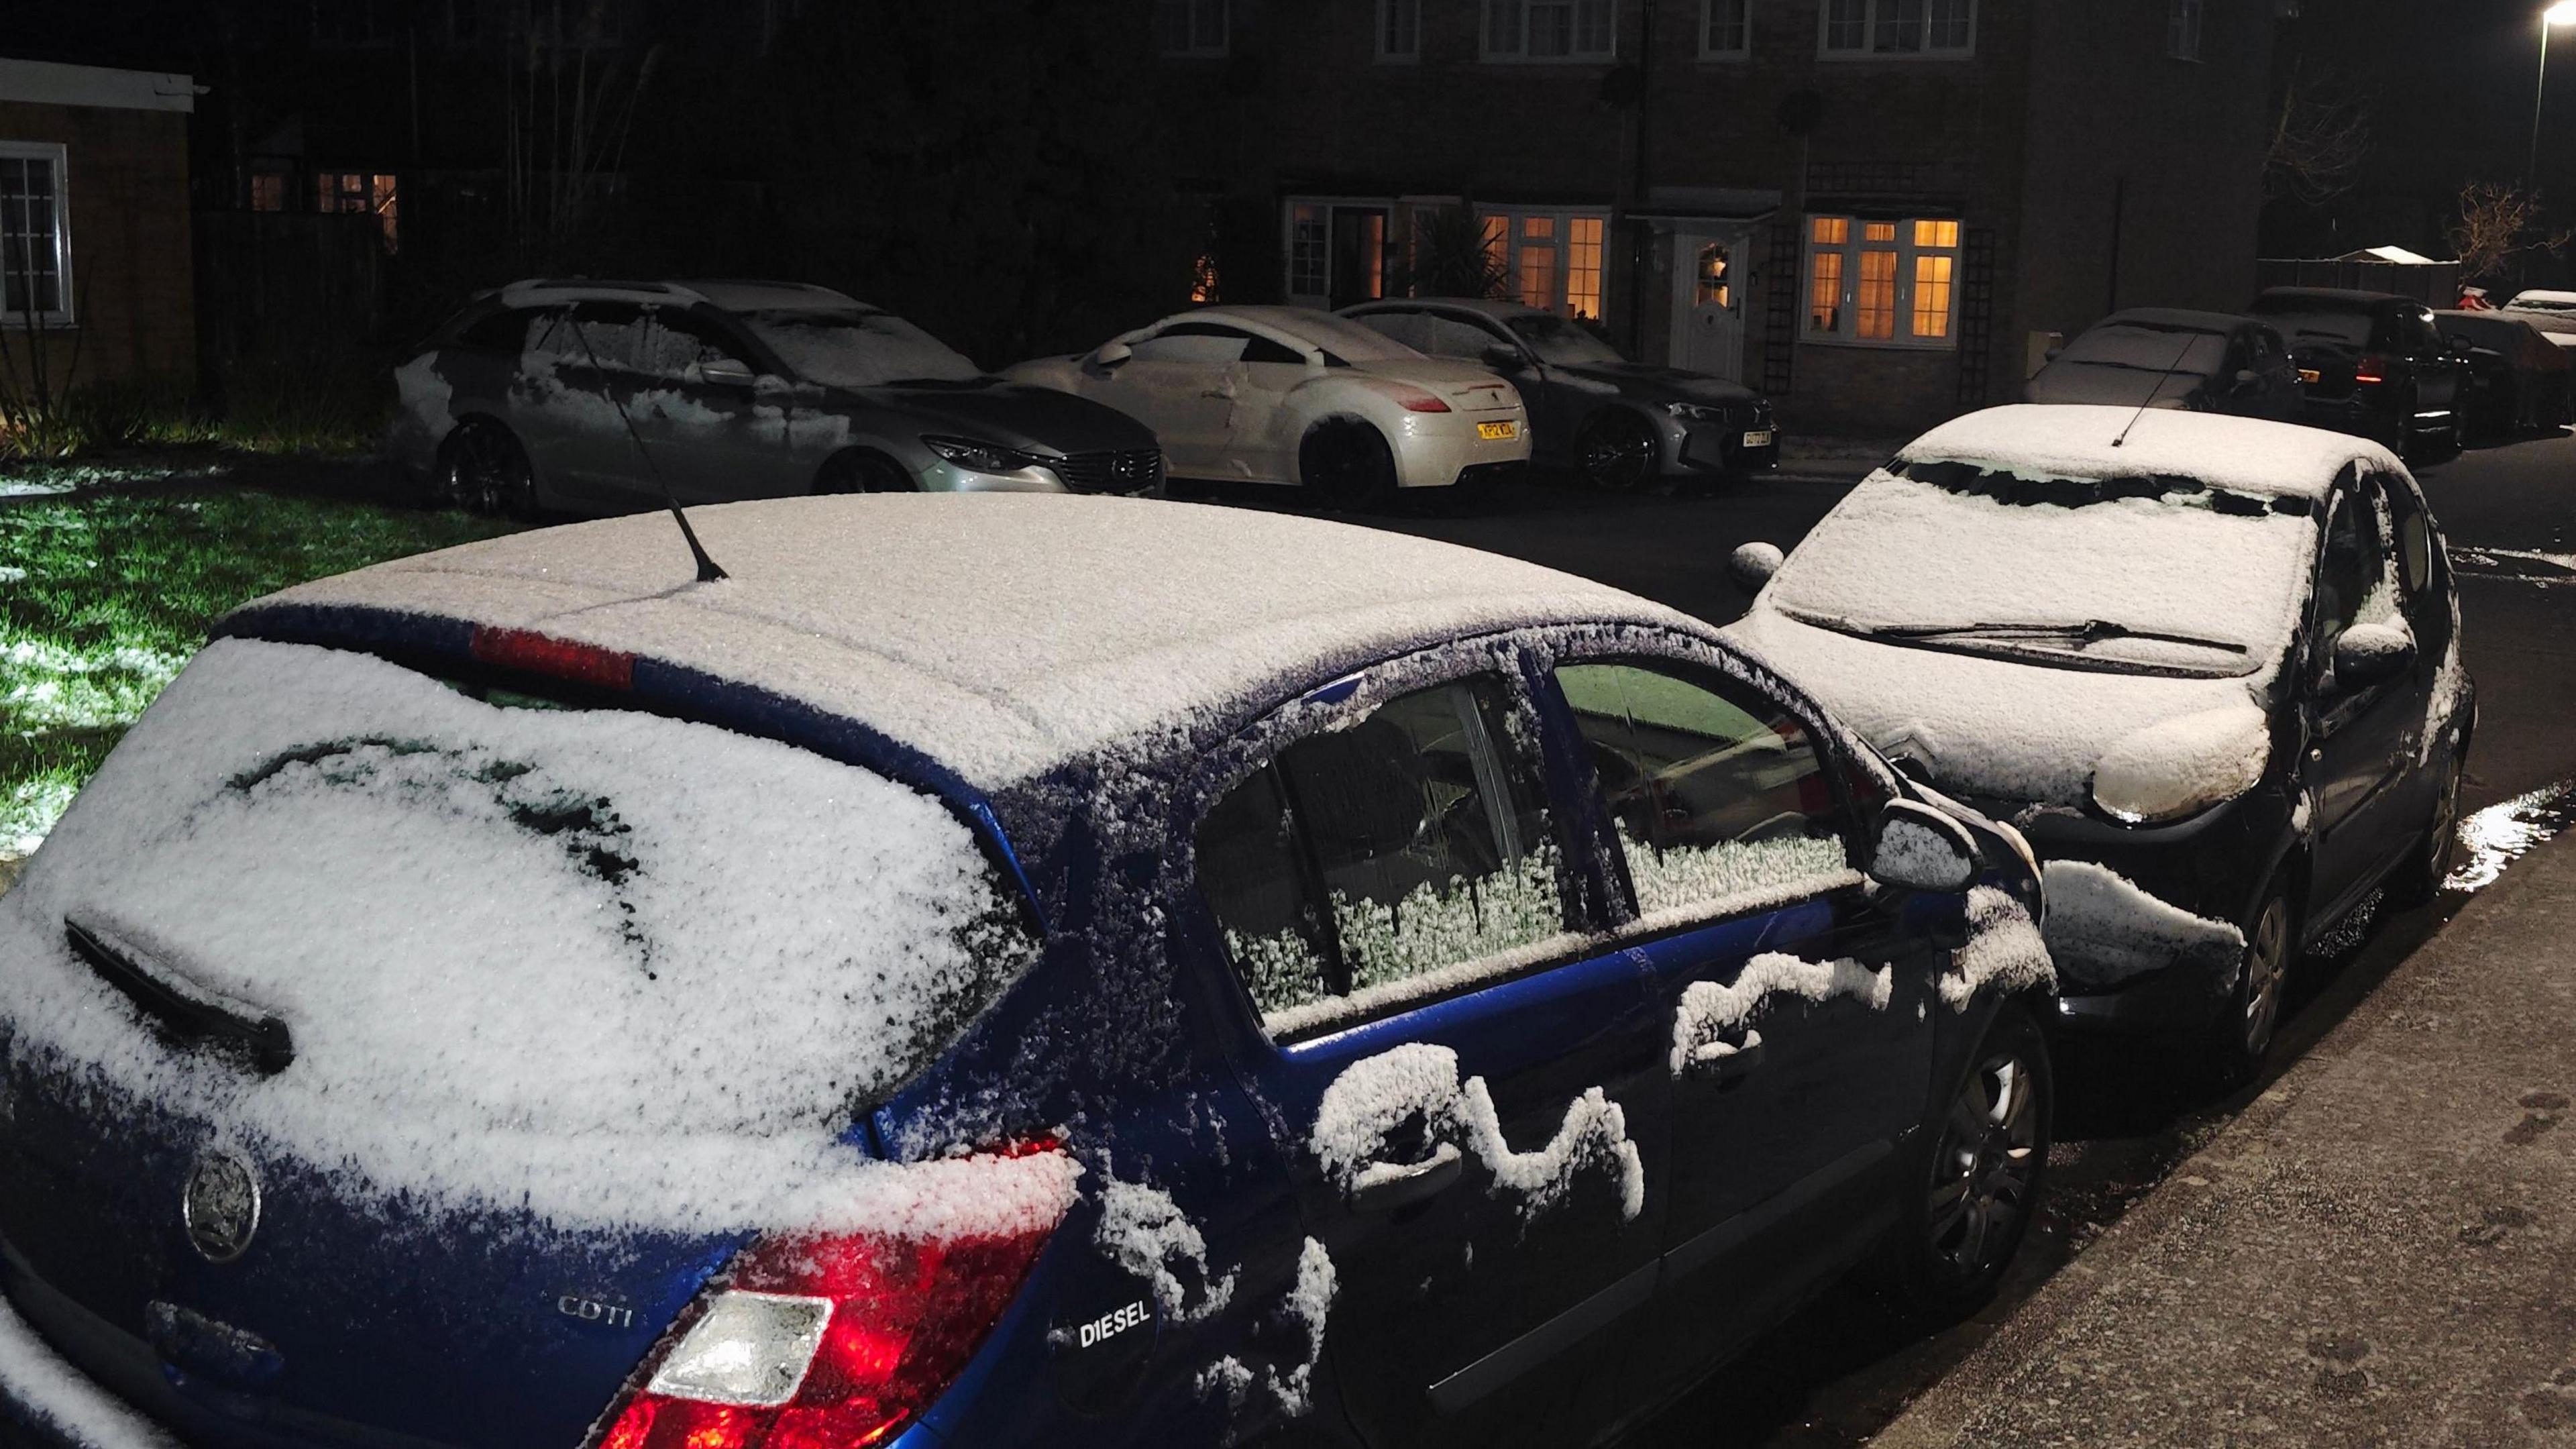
x: 1726, y: 1061
x: 1383, y: 1187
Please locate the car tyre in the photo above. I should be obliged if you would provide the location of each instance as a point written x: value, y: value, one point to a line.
x: 863, y: 473
x: 1346, y: 464
x: 1617, y: 453
x: 2420, y: 879
x: 2240, y: 1036
x: 483, y: 468
x: 1970, y: 1199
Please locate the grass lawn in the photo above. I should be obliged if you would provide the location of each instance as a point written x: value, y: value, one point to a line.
x: 103, y: 596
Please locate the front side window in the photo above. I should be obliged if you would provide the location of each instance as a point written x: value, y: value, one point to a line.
x: 1718, y: 795
x: 680, y: 348
x: 35, y: 236
x: 1191, y: 28
x: 2353, y: 586
x: 1549, y: 30
x: 1889, y: 283
x: 1897, y: 28
x: 1726, y: 29
x: 1369, y: 868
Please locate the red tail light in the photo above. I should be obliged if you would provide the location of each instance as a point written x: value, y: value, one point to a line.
x: 2373, y: 369
x: 824, y: 1342
x: 1410, y: 398
x: 556, y: 658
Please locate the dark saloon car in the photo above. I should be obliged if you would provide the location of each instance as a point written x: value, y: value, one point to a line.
x: 1620, y: 424
x: 1065, y: 971
x: 2373, y: 363
x: 592, y: 397
x: 2210, y: 666
x: 2518, y: 378
x: 2169, y: 358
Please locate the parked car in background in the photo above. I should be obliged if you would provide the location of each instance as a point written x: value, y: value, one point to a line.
x: 2518, y: 377
x: 2210, y: 666
x: 2169, y: 358
x: 2543, y: 299
x: 2372, y: 363
x: 1290, y: 396
x: 592, y: 396
x: 1050, y: 971
x: 1620, y: 424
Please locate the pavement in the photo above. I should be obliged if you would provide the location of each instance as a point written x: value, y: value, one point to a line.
x: 2378, y: 1250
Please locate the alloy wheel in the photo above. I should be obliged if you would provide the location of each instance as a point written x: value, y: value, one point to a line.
x: 1986, y: 1169
x: 487, y: 473
x: 1618, y: 455
x: 2267, y: 961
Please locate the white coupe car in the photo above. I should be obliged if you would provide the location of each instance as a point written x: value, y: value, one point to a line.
x: 1287, y: 395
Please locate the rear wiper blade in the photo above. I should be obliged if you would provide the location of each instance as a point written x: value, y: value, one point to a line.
x: 181, y: 1004
x: 2091, y: 631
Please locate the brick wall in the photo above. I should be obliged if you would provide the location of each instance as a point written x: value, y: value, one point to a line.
x: 133, y: 290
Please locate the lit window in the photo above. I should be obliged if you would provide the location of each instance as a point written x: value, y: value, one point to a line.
x: 1715, y: 287
x: 2182, y: 29
x: 1399, y: 29
x: 35, y: 236
x: 267, y: 191
x: 1190, y: 27
x: 1550, y: 30
x: 1538, y: 262
x: 1727, y: 29
x: 1898, y: 27
x: 1886, y: 283
x: 361, y: 193
x: 1308, y: 240
x: 1583, y: 266
x: 1554, y: 259
x: 1203, y: 278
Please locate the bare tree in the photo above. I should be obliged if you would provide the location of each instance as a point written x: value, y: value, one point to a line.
x: 2498, y: 223
x: 2320, y: 136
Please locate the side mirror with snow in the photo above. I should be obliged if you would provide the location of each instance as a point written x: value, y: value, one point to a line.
x: 2368, y: 654
x: 1753, y: 564
x: 725, y: 372
x: 1110, y: 355
x: 1921, y: 849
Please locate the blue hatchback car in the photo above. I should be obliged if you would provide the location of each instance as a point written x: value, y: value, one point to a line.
x: 991, y: 971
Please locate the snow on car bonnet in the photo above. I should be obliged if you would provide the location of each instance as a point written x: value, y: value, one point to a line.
x: 512, y: 946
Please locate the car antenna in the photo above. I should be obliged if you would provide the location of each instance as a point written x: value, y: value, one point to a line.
x: 708, y: 570
x: 2121, y: 441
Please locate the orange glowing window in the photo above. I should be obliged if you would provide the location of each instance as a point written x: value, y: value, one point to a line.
x: 1874, y: 301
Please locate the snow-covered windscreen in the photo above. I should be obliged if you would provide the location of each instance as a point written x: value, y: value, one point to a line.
x: 857, y: 348
x: 492, y: 914
x: 2149, y: 349
x: 2154, y: 574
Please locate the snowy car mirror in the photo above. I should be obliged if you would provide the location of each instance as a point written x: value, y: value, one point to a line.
x: 1753, y: 564
x: 1110, y: 355
x: 725, y: 372
x: 1921, y: 849
x: 2368, y: 654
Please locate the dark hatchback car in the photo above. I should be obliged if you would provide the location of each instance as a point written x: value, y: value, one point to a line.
x: 2373, y: 363
x: 516, y: 998
x: 2518, y: 378
x: 1619, y: 424
x: 590, y: 397
x: 2170, y: 358
x: 2210, y: 666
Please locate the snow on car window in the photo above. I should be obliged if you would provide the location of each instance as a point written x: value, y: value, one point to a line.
x: 1346, y: 339
x: 854, y: 348
x: 2306, y: 324
x: 507, y: 933
x: 1564, y: 343
x: 2149, y: 349
x: 2157, y: 573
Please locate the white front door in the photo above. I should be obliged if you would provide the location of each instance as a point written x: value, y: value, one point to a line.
x: 1712, y: 272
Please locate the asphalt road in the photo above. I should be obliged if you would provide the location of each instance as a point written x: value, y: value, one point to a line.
x: 1842, y: 1368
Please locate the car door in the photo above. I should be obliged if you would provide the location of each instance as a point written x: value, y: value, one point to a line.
x: 1798, y: 998
x: 715, y: 433
x: 1262, y: 435
x: 1554, y: 409
x: 562, y: 409
x: 1181, y: 382
x: 1471, y: 1097
x: 2362, y: 737
x: 2438, y: 374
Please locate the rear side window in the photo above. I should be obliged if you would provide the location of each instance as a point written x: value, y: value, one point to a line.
x: 1371, y: 866
x: 504, y: 329
x: 1718, y: 795
x: 612, y: 333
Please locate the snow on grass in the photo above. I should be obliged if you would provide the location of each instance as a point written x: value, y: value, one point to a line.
x: 1376, y: 1096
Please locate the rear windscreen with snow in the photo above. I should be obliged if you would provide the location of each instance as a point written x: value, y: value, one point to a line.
x: 496, y: 920
x: 2158, y: 573
x: 2307, y: 322
x: 855, y: 348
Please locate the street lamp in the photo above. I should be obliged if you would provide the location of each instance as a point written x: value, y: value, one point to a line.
x: 2562, y: 13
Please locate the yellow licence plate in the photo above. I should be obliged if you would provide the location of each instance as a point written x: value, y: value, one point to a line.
x: 1492, y: 431
x: 2307, y: 374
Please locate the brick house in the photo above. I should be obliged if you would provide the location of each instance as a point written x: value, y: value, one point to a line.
x: 1873, y: 209
x: 95, y: 265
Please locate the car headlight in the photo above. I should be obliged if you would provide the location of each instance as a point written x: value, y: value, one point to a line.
x: 982, y: 457
x: 2180, y: 767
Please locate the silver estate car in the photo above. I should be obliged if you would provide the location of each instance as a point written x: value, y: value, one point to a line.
x: 593, y: 397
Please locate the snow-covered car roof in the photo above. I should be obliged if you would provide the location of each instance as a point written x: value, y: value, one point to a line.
x: 732, y: 295
x: 1338, y: 335
x: 1481, y: 305
x: 2247, y: 455
x: 2543, y: 298
x: 1001, y: 635
x: 754, y: 296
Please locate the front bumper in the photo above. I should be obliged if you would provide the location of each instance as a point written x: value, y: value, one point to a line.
x: 1720, y: 446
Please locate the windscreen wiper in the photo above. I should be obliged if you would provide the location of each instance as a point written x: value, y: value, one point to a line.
x: 2091, y: 631
x: 185, y: 1007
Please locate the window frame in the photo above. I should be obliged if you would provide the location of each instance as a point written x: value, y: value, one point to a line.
x: 1909, y: 254
x: 1389, y: 13
x: 1491, y: 54
x: 1870, y: 21
x: 1560, y: 247
x: 1708, y: 26
x: 1198, y: 46
x: 65, y: 313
